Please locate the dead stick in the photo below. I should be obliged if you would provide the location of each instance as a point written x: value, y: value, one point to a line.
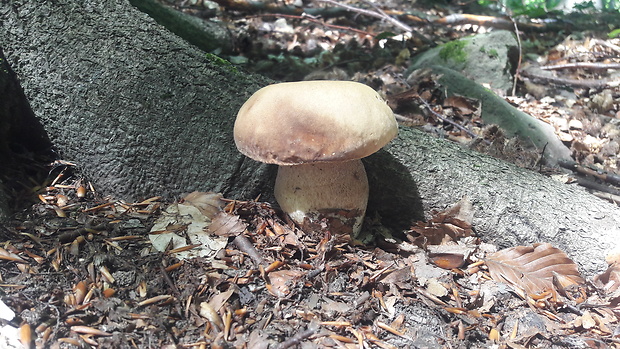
x: 440, y: 117
x: 585, y: 83
x: 312, y: 329
x: 582, y: 65
x: 516, y: 77
x: 369, y: 13
x: 314, y: 20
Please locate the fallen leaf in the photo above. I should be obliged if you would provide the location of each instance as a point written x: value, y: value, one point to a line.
x: 531, y: 269
x: 448, y: 225
x: 609, y: 280
x: 280, y: 281
x: 447, y: 260
x: 181, y: 228
x: 208, y: 203
x: 461, y: 103
x: 434, y: 287
x: 218, y: 300
x: 226, y: 224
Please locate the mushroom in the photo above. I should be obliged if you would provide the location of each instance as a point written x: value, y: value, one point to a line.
x: 317, y: 132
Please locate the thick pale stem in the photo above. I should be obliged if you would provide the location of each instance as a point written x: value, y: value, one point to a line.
x: 335, y: 193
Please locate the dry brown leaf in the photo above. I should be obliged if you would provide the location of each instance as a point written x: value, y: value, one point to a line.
x: 286, y: 234
x: 448, y: 225
x: 208, y: 203
x: 218, y: 300
x: 447, y: 261
x: 9, y: 256
x: 226, y: 224
x: 531, y: 269
x: 461, y: 103
x: 609, y: 280
x: 280, y: 281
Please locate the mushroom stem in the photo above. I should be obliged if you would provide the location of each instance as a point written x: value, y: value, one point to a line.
x: 334, y: 193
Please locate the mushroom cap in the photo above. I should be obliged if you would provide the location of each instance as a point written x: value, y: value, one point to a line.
x: 313, y: 121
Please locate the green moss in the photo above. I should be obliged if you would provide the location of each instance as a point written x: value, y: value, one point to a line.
x: 218, y: 61
x: 492, y: 52
x: 454, y: 50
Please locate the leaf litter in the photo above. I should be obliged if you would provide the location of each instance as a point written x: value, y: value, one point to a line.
x: 79, y: 270
x: 266, y: 284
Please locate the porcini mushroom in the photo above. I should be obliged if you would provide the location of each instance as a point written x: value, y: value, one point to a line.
x: 317, y: 132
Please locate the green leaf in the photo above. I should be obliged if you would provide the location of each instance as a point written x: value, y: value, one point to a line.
x: 384, y: 35
x: 614, y: 33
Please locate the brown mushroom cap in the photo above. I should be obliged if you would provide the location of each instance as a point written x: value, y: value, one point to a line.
x: 313, y: 121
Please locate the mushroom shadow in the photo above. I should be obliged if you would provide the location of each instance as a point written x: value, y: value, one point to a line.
x: 393, y: 192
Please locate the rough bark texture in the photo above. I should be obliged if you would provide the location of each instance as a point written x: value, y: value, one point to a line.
x: 513, y: 206
x: 23, y: 144
x: 144, y: 113
x: 137, y: 107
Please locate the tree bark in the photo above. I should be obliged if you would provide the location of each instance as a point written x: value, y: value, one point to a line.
x: 144, y: 113
x: 513, y: 206
x: 139, y: 109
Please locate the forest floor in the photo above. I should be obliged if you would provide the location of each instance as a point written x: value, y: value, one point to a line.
x: 81, y: 270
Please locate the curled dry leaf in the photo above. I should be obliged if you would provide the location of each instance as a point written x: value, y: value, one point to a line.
x: 208, y: 203
x: 609, y: 281
x: 448, y: 225
x: 531, y: 270
x: 447, y: 261
x: 208, y: 312
x: 226, y: 224
x: 10, y: 256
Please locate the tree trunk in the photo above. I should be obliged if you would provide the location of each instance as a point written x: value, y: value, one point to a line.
x: 144, y: 113
x: 140, y: 110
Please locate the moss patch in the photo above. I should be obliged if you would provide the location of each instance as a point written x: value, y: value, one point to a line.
x: 220, y: 62
x: 454, y: 50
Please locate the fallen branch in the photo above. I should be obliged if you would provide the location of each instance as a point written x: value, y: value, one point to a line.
x: 584, y: 83
x: 582, y: 65
x: 455, y: 124
x: 611, y: 178
x: 274, y: 7
x: 486, y: 21
x: 312, y: 19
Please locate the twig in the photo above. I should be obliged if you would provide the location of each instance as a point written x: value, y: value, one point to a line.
x: 608, y: 177
x: 168, y: 280
x: 516, y: 77
x: 585, y: 83
x: 440, y: 117
x: 312, y: 329
x: 380, y: 15
x: 582, y: 65
x: 317, y: 21
x: 389, y: 18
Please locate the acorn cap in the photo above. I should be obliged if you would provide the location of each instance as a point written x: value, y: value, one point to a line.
x: 313, y: 121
